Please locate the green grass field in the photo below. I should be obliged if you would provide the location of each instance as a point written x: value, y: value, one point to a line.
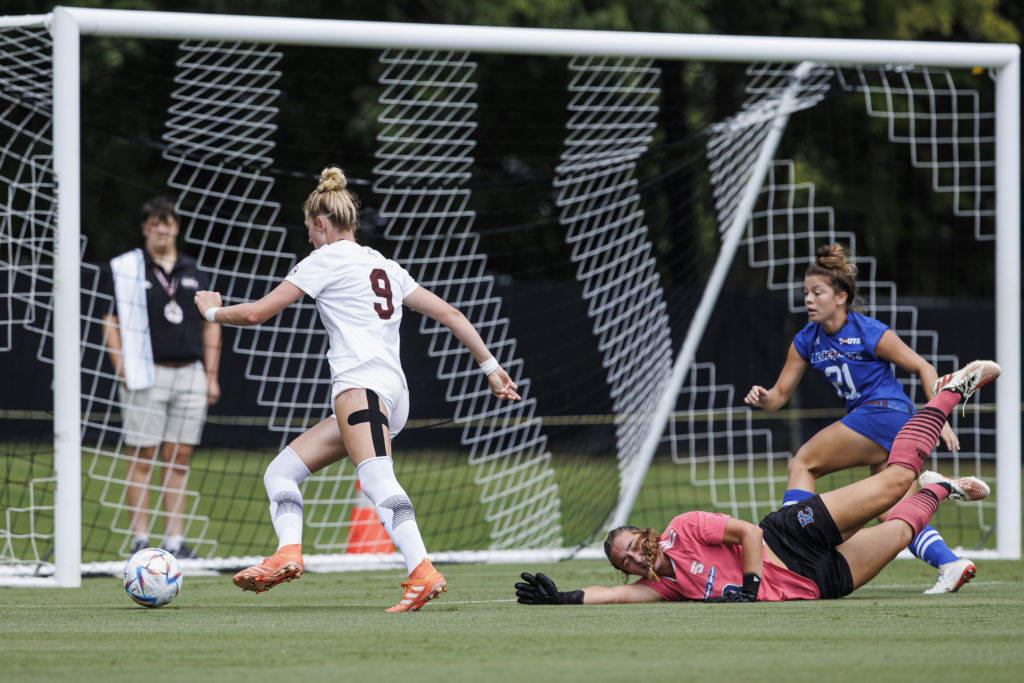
x: 332, y: 627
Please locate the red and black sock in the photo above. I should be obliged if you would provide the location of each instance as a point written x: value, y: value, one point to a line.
x: 917, y: 509
x: 919, y: 435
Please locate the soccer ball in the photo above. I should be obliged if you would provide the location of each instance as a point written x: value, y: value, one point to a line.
x: 152, y: 577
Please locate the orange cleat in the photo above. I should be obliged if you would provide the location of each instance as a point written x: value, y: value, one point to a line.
x: 285, y: 565
x: 424, y: 584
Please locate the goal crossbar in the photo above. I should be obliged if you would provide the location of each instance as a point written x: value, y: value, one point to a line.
x: 540, y: 41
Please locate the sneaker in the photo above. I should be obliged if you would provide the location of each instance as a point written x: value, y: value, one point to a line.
x: 952, y: 576
x: 277, y: 569
x: 424, y: 584
x: 968, y: 379
x: 963, y: 488
x: 184, y: 552
x: 137, y: 545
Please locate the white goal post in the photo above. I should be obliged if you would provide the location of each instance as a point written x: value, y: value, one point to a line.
x: 68, y: 25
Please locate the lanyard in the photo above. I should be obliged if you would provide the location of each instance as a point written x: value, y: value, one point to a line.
x: 169, y: 287
x: 172, y: 311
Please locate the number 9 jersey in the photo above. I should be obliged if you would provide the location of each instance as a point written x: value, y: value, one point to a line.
x: 848, y: 361
x: 359, y: 296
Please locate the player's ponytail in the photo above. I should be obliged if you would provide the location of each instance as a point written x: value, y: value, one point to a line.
x: 332, y: 200
x: 649, y: 544
x: 833, y: 263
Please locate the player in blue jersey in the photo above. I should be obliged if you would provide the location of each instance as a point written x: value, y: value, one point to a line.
x: 855, y: 354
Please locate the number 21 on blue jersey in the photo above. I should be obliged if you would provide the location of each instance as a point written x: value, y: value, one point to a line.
x: 842, y: 381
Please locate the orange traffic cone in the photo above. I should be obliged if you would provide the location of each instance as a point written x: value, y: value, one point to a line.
x: 366, y: 534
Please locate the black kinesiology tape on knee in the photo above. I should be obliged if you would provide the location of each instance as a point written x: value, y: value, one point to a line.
x: 375, y: 416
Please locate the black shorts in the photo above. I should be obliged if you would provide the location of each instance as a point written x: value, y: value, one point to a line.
x: 804, y: 537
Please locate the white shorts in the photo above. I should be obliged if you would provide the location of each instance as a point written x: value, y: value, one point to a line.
x: 385, y: 382
x: 173, y: 410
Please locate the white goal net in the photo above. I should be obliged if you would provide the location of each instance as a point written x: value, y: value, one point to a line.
x: 625, y: 218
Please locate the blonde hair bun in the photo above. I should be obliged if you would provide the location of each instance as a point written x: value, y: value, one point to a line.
x: 332, y: 179
x: 332, y: 200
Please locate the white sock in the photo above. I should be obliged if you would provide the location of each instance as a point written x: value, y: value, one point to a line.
x: 172, y: 544
x: 282, y: 479
x: 377, y: 479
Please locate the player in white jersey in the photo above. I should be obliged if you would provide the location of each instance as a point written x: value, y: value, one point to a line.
x: 359, y: 295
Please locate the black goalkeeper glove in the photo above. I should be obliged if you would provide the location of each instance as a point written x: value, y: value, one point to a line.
x: 751, y: 582
x: 541, y: 590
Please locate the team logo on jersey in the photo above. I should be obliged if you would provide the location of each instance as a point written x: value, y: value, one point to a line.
x: 834, y: 355
x: 697, y: 568
x: 189, y: 283
x: 805, y: 516
x: 709, y: 585
x: 849, y: 340
x: 828, y: 354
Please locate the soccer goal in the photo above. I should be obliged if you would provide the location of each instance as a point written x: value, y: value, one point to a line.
x: 625, y: 217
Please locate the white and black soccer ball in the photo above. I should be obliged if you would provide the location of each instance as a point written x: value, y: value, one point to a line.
x: 152, y: 577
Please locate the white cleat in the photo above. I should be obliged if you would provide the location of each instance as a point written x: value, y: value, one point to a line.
x: 952, y: 576
x: 968, y: 379
x: 962, y: 488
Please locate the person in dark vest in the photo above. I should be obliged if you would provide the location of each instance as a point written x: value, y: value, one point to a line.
x: 166, y: 357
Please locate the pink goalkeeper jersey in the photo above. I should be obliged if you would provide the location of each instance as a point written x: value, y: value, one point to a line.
x: 704, y: 564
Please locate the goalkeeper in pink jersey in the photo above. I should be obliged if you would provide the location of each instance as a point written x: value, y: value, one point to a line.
x: 816, y: 549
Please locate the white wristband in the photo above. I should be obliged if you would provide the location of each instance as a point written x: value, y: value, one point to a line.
x: 489, y: 365
x: 211, y: 312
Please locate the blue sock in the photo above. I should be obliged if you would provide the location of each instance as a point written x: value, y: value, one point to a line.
x: 794, y: 496
x: 929, y: 546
